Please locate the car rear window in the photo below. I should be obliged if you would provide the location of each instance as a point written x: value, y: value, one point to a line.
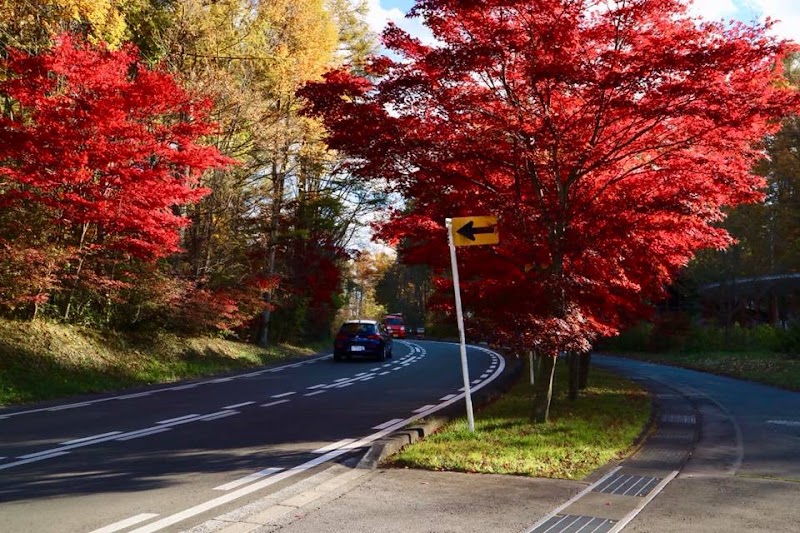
x: 393, y: 321
x: 357, y: 329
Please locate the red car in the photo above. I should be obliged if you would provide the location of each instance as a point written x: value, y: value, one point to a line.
x: 395, y: 325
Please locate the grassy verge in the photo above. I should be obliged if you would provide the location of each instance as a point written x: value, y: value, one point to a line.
x: 779, y: 370
x: 43, y: 360
x: 583, y: 435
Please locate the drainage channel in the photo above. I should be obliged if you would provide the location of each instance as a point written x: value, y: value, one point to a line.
x: 609, y: 504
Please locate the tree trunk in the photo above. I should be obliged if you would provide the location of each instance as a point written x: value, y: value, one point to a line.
x: 573, y: 362
x: 585, y: 363
x: 544, y: 389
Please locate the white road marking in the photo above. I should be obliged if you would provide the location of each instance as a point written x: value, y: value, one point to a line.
x: 128, y: 522
x: 93, y: 437
x: 374, y: 369
x: 448, y: 397
x: 334, y: 446
x: 185, y: 387
x: 237, y: 405
x: 32, y: 460
x: 221, y: 380
x: 252, y: 374
x: 793, y: 423
x: 343, y: 385
x: 475, y: 381
x: 70, y: 406
x: 247, y: 479
x: 142, y: 433
x: 423, y: 408
x: 254, y: 487
x: 276, y: 370
x: 218, y: 415
x: 387, y: 424
x: 129, y: 396
x: 270, y: 404
x: 315, y: 393
x: 179, y: 419
x: 285, y: 394
x: 340, y: 380
x: 383, y: 373
x: 321, y: 385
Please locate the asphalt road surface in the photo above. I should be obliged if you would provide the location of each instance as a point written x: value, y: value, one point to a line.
x: 163, y: 459
x: 744, y: 473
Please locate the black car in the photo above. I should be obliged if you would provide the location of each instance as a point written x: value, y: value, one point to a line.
x: 367, y: 338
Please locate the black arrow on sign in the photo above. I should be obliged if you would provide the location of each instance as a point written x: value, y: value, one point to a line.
x: 469, y: 231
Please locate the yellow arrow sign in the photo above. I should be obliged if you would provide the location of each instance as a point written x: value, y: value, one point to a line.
x: 474, y: 231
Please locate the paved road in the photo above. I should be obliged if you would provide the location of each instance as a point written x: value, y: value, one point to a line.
x: 744, y: 473
x: 165, y: 458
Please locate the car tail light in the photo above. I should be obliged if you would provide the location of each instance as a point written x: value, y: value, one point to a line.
x: 341, y: 337
x: 374, y: 337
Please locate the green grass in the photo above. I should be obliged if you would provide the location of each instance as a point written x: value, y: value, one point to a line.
x: 600, y: 426
x: 779, y: 370
x: 43, y: 360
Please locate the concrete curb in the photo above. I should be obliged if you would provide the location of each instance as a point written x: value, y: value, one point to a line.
x: 383, y: 448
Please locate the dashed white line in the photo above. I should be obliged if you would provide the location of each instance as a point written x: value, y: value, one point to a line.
x: 343, y: 385
x: 142, y: 433
x: 32, y: 459
x: 128, y: 522
x: 93, y: 437
x: 218, y: 415
x: 448, y: 397
x: 270, y: 404
x: 178, y: 419
x: 320, y: 386
x: 284, y: 395
x: 315, y: 393
x: 237, y: 405
x: 423, y: 408
x: 383, y: 373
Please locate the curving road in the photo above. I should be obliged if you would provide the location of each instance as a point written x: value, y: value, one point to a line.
x: 163, y: 459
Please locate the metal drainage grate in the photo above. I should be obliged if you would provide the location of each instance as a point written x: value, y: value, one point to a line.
x: 679, y: 419
x: 575, y: 524
x: 628, y: 485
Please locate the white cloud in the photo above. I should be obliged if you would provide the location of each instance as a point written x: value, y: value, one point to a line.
x: 379, y: 17
x: 713, y: 9
x: 785, y: 11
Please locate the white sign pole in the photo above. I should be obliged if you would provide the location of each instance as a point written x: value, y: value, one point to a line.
x: 460, y: 318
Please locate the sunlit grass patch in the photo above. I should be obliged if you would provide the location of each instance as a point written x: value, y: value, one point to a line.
x: 781, y: 370
x: 43, y: 360
x: 600, y: 426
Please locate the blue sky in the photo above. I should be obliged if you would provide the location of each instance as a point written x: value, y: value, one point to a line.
x: 787, y: 11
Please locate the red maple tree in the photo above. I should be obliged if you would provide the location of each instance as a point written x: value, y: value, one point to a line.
x: 97, y: 154
x: 606, y: 136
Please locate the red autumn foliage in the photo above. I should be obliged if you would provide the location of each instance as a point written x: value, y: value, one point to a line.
x: 106, y: 144
x: 606, y: 136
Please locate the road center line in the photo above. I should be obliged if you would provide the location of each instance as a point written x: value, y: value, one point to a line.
x: 270, y: 404
x: 285, y: 394
x: 179, y: 419
x: 93, y: 437
x: 237, y: 405
x: 32, y: 460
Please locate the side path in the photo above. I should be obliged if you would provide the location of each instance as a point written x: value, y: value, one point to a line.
x: 693, y: 435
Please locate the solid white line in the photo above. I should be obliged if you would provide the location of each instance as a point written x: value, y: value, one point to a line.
x: 32, y: 460
x: 276, y: 370
x: 334, y: 446
x: 270, y: 404
x: 179, y: 419
x: 185, y: 387
x: 236, y: 406
x: 247, y: 479
x: 251, y: 374
x: 315, y: 393
x: 221, y: 380
x: 142, y: 433
x: 129, y: 396
x: 572, y: 500
x: 387, y: 424
x: 128, y: 522
x: 647, y: 499
x: 784, y: 422
x: 70, y: 406
x: 93, y: 437
x: 284, y: 395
